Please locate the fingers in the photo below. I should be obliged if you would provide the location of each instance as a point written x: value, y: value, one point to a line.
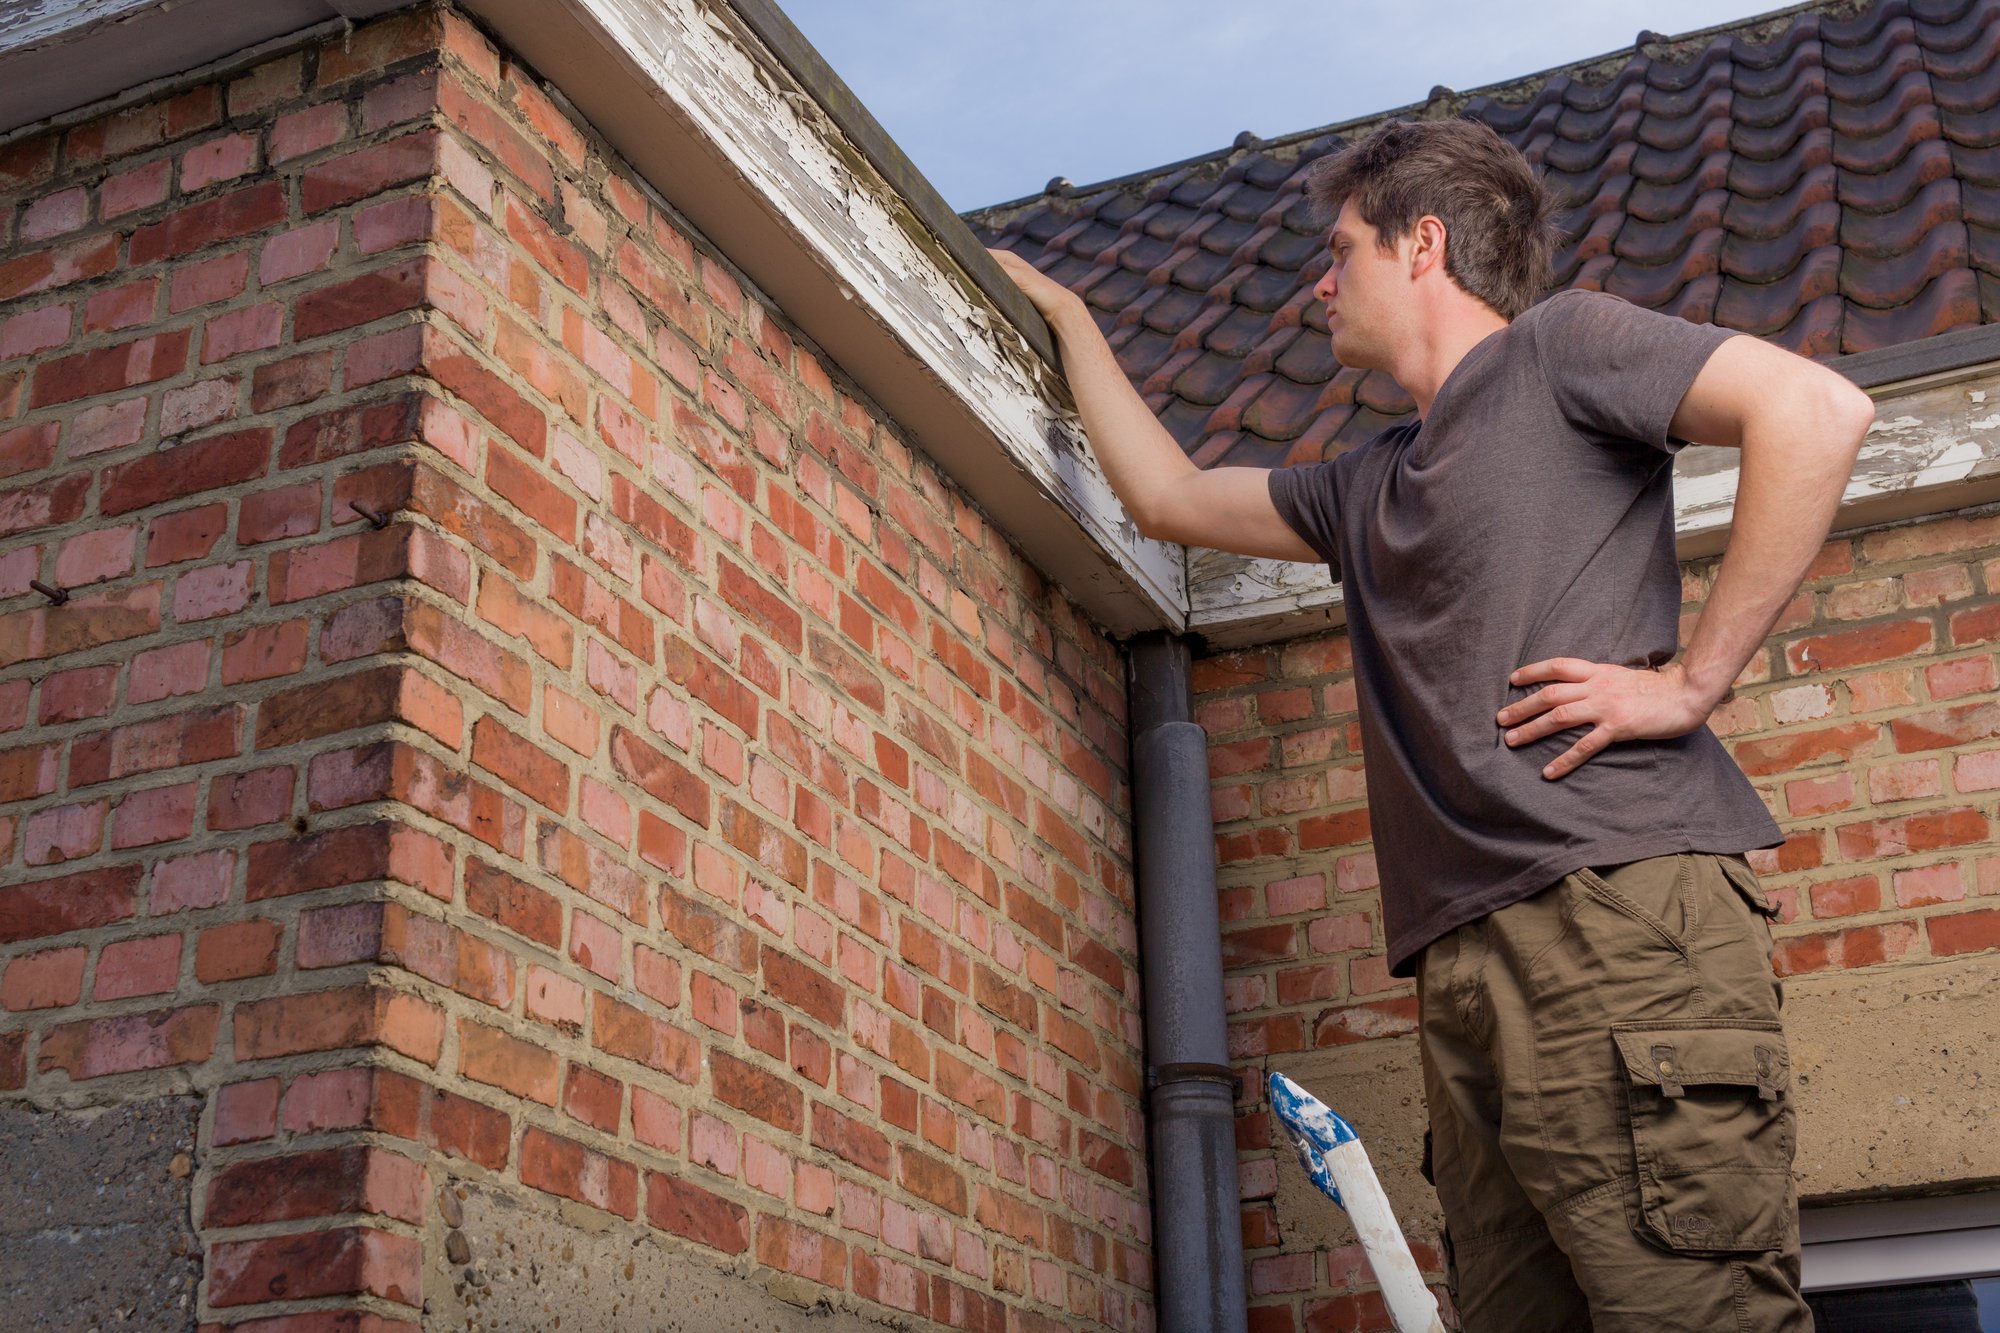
x: 1573, y: 758
x: 1560, y: 718
x: 1541, y: 699
x: 1553, y: 668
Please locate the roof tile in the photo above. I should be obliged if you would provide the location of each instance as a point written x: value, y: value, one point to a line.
x: 1830, y: 183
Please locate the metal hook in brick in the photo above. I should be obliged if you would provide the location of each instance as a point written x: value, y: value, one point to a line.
x: 378, y: 520
x: 56, y: 596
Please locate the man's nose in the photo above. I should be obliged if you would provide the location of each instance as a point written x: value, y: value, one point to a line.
x: 1323, y: 289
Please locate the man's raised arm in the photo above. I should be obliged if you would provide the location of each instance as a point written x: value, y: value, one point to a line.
x: 1227, y: 508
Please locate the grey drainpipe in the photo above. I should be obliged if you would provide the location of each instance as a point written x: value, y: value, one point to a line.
x: 1191, y: 1103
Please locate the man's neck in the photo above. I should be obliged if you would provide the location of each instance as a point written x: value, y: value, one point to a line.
x: 1427, y: 363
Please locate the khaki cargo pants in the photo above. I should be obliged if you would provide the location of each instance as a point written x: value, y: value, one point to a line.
x: 1610, y: 1106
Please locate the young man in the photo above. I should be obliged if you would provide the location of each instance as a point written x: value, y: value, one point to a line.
x: 1558, y: 833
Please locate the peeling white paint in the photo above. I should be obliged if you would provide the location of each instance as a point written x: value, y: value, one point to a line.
x: 786, y: 146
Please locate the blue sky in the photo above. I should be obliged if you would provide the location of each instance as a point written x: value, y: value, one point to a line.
x: 992, y: 99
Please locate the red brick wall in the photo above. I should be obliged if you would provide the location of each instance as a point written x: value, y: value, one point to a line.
x: 683, y: 803
x: 1870, y: 723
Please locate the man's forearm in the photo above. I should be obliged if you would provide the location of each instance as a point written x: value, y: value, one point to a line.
x: 1137, y: 454
x: 1789, y: 487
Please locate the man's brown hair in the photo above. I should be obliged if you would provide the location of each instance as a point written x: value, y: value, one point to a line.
x: 1500, y: 230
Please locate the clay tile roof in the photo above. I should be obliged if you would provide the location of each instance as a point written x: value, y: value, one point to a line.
x: 1827, y: 177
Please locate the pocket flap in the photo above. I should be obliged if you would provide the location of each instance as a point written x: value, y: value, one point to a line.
x: 1738, y: 872
x: 1678, y: 1054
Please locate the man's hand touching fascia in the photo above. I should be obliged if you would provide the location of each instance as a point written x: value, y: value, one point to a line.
x: 1799, y: 426
x: 1169, y: 498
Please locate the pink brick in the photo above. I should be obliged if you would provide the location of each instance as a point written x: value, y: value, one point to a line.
x: 141, y: 187
x: 337, y: 1099
x: 47, y: 980
x: 656, y: 1122
x: 1816, y: 796
x: 121, y: 307
x: 217, y: 160
x: 1287, y: 897
x: 604, y: 811
x: 308, y: 130
x: 64, y: 833
x: 162, y: 673
x: 88, y: 557
x: 147, y: 818
x: 84, y: 692
x: 397, y: 222
x: 1966, y: 675
x: 1977, y: 772
x: 380, y: 355
x: 712, y: 1143
x: 138, y: 967
x: 107, y: 426
x: 189, y: 882
x: 1905, y: 782
x: 193, y: 406
x: 293, y: 253
x: 246, y: 1112
x: 555, y: 999
x: 765, y: 1167
x: 1930, y: 884
x: 55, y: 214
x: 251, y: 329
x: 1337, y: 934
x: 34, y: 331
x: 209, y: 281
x: 213, y: 590
x: 596, y: 945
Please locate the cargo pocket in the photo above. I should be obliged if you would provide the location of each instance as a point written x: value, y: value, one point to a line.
x: 1741, y: 877
x: 1711, y: 1132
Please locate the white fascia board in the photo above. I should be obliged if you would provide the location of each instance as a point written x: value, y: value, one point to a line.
x: 1934, y: 448
x: 59, y: 55
x: 714, y: 121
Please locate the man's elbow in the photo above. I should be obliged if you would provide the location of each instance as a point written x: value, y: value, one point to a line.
x: 1850, y: 412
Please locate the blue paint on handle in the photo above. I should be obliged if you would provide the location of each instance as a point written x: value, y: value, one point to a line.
x: 1313, y: 1128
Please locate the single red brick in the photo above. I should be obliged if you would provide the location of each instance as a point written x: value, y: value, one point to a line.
x: 46, y: 980
x: 245, y: 1112
x: 146, y: 966
x: 121, y: 307
x: 371, y: 170
x: 237, y: 950
x: 593, y: 1098
x: 106, y: 369
x: 189, y: 534
x: 356, y: 1178
x: 96, y: 1047
x: 520, y: 764
x: 356, y: 1016
x: 225, y: 217
x: 207, y: 282
x: 626, y: 1032
x: 250, y: 329
x: 462, y: 1126
x: 340, y: 1262
x: 690, y: 1211
x: 561, y: 1167
x: 219, y: 460
x: 70, y: 902
x: 488, y: 1055
x: 359, y: 300
x: 156, y: 815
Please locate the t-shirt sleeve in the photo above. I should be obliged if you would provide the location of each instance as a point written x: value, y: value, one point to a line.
x: 1619, y: 370
x: 1308, y: 498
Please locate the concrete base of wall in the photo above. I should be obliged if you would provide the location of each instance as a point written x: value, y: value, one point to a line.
x: 535, y: 1262
x: 1896, y: 1076
x: 94, y: 1222
x: 1378, y: 1087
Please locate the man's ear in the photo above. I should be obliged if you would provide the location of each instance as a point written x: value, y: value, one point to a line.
x: 1427, y: 240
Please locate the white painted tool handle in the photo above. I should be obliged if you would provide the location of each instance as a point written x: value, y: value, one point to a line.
x: 1410, y: 1302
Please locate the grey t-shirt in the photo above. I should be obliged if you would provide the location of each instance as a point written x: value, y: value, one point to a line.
x: 1529, y: 516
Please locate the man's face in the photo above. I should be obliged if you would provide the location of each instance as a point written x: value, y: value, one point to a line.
x: 1360, y: 291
